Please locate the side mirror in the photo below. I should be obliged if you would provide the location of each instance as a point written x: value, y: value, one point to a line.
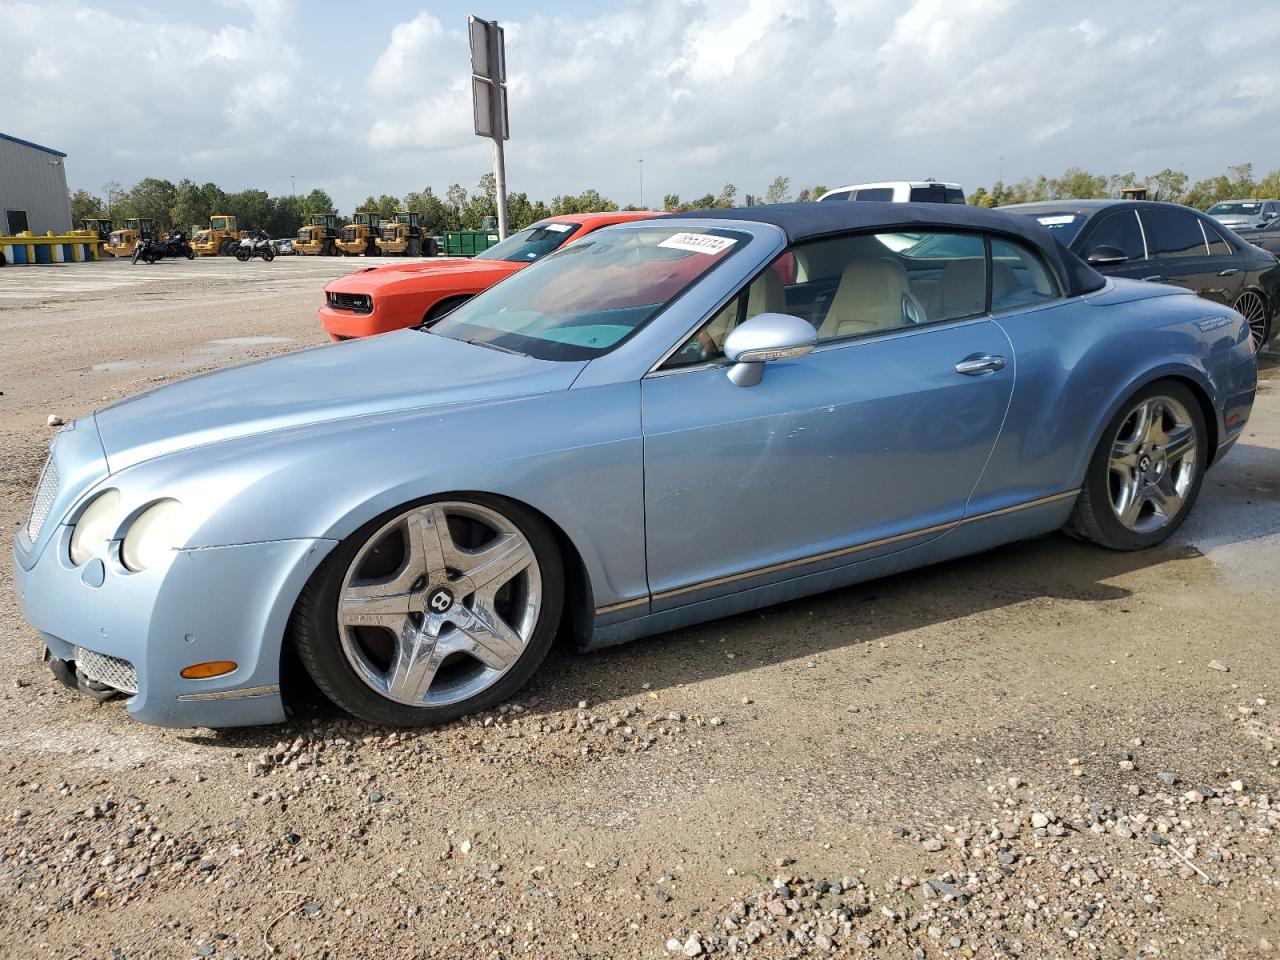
x: 1270, y: 216
x: 766, y: 337
x: 1106, y: 256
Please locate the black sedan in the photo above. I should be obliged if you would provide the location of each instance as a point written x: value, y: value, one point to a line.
x: 1267, y: 236
x: 1168, y: 243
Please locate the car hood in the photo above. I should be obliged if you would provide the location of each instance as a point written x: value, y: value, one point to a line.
x: 1235, y: 220
x: 430, y: 273
x: 405, y: 370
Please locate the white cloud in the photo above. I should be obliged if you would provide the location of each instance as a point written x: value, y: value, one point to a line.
x: 706, y: 91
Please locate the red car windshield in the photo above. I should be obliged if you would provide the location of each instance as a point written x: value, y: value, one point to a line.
x: 531, y: 243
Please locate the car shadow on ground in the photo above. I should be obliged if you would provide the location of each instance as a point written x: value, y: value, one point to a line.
x: 1052, y: 567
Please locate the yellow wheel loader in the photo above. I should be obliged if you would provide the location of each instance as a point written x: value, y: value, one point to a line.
x: 403, y: 237
x: 360, y: 236
x: 219, y: 239
x: 120, y: 243
x: 320, y: 235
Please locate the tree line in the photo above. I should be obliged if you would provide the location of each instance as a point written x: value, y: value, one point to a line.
x: 186, y: 204
x: 1173, y: 186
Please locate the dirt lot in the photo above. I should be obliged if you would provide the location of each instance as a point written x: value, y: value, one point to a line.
x: 1044, y: 751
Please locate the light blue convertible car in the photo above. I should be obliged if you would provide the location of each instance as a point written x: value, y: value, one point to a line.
x: 674, y: 420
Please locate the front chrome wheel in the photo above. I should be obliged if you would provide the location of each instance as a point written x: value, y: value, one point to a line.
x: 1152, y: 465
x: 439, y: 604
x: 1253, y: 308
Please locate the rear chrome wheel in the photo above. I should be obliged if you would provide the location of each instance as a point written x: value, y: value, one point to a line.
x: 1146, y: 472
x: 1152, y: 464
x: 1253, y: 308
x: 443, y: 608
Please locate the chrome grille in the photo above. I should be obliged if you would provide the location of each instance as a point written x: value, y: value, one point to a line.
x: 46, y: 490
x: 109, y: 671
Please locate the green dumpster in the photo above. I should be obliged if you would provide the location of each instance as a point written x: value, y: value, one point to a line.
x: 467, y: 243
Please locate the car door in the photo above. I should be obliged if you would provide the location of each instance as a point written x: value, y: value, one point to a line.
x: 1179, y: 254
x: 869, y: 445
x: 1230, y: 273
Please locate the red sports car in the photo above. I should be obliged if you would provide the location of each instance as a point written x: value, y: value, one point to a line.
x: 381, y: 299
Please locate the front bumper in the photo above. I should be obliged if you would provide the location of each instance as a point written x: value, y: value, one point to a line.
x: 217, y: 603
x: 349, y: 325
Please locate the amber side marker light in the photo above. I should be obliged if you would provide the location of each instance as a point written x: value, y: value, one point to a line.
x: 204, y: 671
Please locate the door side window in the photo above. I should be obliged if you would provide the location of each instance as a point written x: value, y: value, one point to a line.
x: 1018, y: 278
x: 880, y: 194
x: 765, y: 294
x: 1120, y: 231
x: 1218, y: 246
x: 1172, y: 234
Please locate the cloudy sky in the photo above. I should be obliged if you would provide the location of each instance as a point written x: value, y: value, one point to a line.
x: 375, y: 97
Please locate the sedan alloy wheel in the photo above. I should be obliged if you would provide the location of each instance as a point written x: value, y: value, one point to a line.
x: 1253, y: 308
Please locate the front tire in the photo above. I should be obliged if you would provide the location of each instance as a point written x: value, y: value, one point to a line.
x: 1147, y: 471
x: 242, y: 255
x: 432, y: 611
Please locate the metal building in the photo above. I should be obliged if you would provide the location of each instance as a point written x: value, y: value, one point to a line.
x: 33, y: 188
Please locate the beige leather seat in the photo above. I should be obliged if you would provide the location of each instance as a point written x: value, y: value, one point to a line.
x: 766, y: 295
x: 962, y: 291
x: 873, y: 296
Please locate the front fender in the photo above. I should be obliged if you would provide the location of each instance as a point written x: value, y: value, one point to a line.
x: 573, y: 455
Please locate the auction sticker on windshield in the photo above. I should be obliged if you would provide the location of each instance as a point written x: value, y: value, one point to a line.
x: 1059, y: 221
x: 556, y: 227
x: 698, y: 243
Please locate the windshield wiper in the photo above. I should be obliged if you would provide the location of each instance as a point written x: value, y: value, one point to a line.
x: 494, y: 346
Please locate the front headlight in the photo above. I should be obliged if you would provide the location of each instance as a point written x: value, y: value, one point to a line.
x: 94, y: 528
x: 153, y: 536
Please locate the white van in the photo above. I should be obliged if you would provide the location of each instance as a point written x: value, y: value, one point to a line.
x: 899, y: 191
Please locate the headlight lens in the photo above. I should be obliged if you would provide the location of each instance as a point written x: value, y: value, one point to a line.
x: 94, y: 528
x: 153, y: 536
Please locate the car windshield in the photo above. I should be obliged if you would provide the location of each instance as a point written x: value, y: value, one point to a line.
x: 585, y: 299
x: 1063, y: 225
x: 531, y: 243
x: 1236, y: 208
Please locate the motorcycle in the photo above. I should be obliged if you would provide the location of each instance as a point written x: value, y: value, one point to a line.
x: 175, y: 244
x: 257, y: 244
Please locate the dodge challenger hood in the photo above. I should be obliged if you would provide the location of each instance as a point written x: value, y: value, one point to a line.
x: 400, y: 371
x: 370, y: 281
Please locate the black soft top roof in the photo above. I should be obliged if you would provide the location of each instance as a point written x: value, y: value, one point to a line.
x: 806, y: 221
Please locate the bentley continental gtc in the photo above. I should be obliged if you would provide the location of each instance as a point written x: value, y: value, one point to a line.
x: 665, y: 422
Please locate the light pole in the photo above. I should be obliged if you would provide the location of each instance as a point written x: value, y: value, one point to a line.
x: 641, y: 163
x: 292, y: 192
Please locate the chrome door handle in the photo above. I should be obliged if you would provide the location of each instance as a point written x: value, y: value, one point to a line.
x: 979, y: 365
x: 1229, y: 273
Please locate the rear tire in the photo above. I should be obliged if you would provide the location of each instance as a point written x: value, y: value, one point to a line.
x: 1146, y: 473
x: 454, y: 648
x: 242, y: 255
x: 413, y: 248
x: 268, y: 254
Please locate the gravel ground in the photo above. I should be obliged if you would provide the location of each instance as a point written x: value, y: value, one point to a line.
x: 1044, y: 751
